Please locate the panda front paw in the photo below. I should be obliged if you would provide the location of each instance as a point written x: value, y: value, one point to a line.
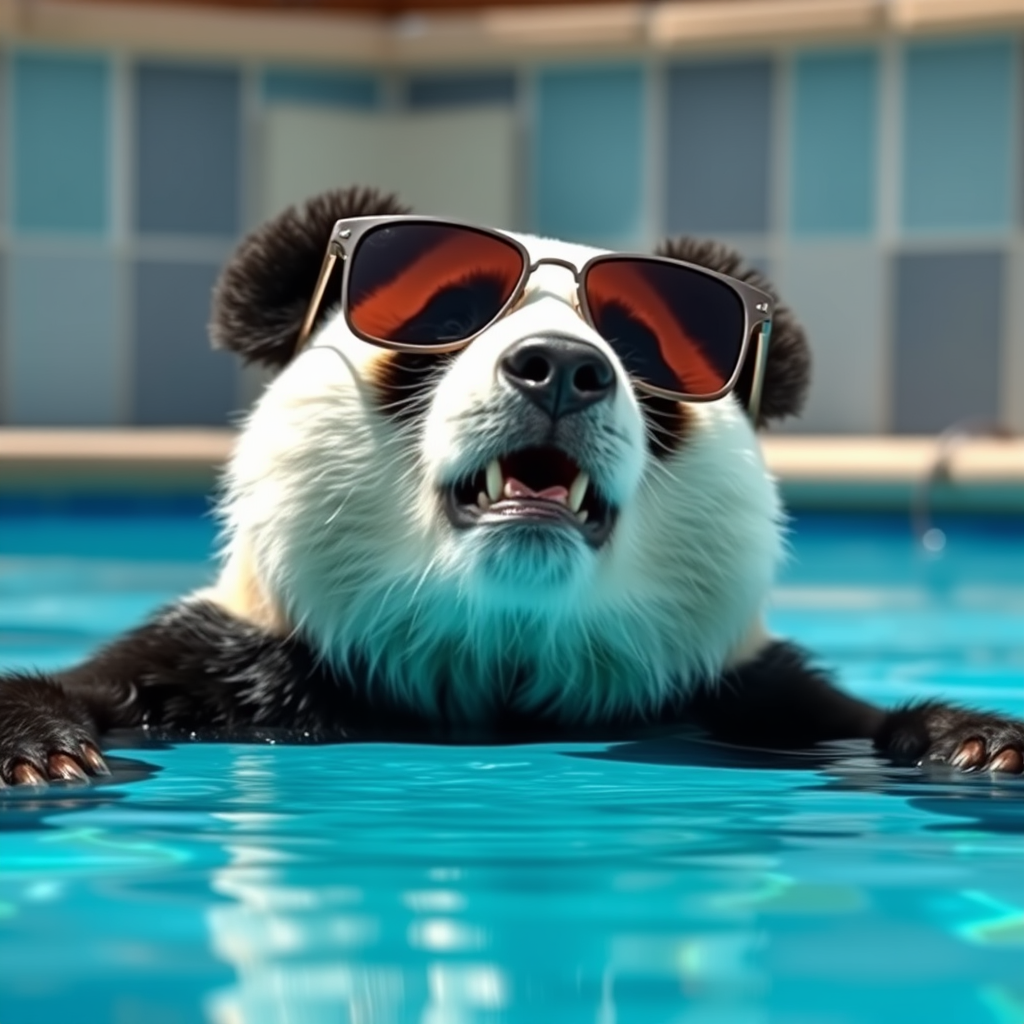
x: 966, y: 740
x: 44, y: 735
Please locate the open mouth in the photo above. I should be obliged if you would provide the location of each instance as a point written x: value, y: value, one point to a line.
x: 541, y: 485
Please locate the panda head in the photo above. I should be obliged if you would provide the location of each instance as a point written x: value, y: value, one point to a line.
x: 358, y: 501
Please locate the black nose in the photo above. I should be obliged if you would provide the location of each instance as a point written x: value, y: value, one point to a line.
x: 559, y: 374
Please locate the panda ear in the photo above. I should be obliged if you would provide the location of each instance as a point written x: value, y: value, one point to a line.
x: 262, y: 294
x: 787, y: 373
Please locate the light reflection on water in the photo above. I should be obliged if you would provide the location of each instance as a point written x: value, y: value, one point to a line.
x: 642, y: 883
x: 506, y: 931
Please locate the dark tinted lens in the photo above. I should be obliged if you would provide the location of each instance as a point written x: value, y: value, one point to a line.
x: 429, y: 284
x: 673, y: 327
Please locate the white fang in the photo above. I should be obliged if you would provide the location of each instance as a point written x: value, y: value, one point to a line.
x: 578, y: 491
x: 494, y: 480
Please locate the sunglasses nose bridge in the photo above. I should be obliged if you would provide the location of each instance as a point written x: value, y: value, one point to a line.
x: 554, y: 261
x: 551, y: 261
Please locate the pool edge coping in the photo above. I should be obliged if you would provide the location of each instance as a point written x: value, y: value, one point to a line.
x: 813, y: 470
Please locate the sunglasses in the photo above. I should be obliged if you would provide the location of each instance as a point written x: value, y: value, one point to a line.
x: 421, y: 284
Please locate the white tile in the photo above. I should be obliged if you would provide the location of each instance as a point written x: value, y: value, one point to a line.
x: 63, y: 364
x: 453, y: 162
x: 1011, y: 380
x: 837, y: 291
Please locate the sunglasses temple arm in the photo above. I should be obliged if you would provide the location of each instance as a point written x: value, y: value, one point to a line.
x: 330, y: 258
x: 761, y: 360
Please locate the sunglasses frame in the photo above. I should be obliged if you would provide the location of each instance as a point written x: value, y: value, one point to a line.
x: 348, y: 233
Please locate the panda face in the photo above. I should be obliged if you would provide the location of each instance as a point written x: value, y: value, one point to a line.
x: 419, y: 516
x: 532, y: 473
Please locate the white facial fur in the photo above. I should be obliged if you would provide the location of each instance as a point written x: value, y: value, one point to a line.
x: 334, y: 518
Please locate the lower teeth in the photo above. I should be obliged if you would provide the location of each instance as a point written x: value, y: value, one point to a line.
x: 484, y: 503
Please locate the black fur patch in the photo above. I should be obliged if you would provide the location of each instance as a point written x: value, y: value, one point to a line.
x: 404, y: 381
x: 262, y: 294
x: 781, y: 700
x: 667, y: 422
x: 194, y: 671
x: 788, y: 369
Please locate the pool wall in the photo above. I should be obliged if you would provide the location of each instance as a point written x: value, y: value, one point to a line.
x: 864, y: 154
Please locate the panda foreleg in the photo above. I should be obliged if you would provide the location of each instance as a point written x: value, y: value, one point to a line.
x: 781, y: 700
x: 191, y: 671
x: 45, y: 733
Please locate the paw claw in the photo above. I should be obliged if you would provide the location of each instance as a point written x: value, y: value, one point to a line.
x: 25, y: 774
x: 94, y: 760
x: 64, y: 766
x: 969, y: 755
x: 1008, y: 760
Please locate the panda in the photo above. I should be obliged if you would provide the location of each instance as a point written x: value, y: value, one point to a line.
x: 429, y: 547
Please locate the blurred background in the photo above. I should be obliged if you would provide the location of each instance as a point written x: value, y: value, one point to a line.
x: 865, y: 154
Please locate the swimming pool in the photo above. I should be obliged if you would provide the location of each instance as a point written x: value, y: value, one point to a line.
x: 643, y: 882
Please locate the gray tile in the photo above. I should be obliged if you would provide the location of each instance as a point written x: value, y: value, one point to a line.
x: 718, y: 146
x: 179, y: 379
x: 62, y: 366
x: 947, y: 339
x: 5, y: 372
x: 187, y: 150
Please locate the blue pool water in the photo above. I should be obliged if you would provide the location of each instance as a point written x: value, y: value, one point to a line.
x: 639, y: 883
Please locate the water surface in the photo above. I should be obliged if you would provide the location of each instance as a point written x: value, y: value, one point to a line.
x: 648, y: 882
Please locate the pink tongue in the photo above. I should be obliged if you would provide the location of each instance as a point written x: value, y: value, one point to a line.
x: 517, y: 489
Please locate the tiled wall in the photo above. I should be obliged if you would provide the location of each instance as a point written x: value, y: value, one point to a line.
x: 880, y: 186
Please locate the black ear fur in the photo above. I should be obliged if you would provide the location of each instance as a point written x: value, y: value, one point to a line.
x: 787, y: 374
x: 262, y: 294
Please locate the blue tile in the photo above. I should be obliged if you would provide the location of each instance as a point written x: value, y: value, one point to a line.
x: 63, y: 359
x: 719, y: 146
x: 179, y: 379
x: 60, y: 136
x: 460, y: 90
x: 588, y: 158
x: 835, y: 133
x: 188, y: 138
x: 321, y: 88
x: 957, y: 129
x: 948, y: 336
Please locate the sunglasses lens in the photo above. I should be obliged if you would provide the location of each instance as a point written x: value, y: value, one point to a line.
x: 673, y: 328
x: 419, y: 283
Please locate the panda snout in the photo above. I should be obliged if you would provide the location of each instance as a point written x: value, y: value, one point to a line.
x: 559, y: 375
